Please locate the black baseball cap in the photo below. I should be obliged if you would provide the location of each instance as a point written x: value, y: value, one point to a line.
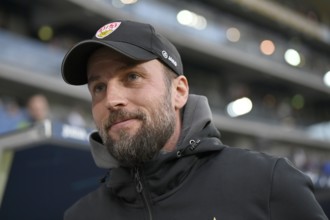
x: 135, y: 40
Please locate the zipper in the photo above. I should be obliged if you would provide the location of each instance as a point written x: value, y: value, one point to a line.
x: 142, y: 192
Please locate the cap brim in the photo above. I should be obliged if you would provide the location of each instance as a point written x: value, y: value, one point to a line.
x: 75, y: 61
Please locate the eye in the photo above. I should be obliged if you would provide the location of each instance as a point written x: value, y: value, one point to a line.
x: 98, y: 88
x: 133, y: 76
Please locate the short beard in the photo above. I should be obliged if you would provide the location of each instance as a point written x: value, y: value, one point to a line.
x: 134, y: 150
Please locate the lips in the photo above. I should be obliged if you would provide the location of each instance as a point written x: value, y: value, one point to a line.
x: 121, y: 122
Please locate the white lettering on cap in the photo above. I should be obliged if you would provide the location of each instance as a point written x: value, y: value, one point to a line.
x: 107, y: 29
x: 172, y: 61
x: 166, y: 56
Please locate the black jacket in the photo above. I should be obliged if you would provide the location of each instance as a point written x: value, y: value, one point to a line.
x: 203, y: 179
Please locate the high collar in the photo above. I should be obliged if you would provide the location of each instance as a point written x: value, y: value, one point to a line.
x: 162, y: 176
x: 166, y: 171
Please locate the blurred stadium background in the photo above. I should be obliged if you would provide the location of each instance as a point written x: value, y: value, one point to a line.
x: 263, y: 64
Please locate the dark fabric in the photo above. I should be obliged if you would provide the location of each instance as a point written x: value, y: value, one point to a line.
x: 203, y: 179
x: 135, y: 40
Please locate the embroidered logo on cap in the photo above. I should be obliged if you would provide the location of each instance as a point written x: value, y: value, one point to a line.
x: 107, y: 29
x: 165, y: 55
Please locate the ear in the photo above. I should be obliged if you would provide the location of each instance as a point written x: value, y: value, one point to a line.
x: 180, y: 91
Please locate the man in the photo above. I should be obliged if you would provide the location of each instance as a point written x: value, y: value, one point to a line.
x: 163, y: 152
x: 37, y: 108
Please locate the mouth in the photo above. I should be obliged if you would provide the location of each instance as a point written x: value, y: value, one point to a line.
x: 122, y: 123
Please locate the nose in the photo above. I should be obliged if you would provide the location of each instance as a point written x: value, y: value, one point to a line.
x: 115, y: 97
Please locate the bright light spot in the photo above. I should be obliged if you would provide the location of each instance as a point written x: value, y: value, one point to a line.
x: 326, y: 78
x: 239, y: 107
x: 128, y: 2
x: 45, y: 33
x: 233, y: 34
x: 191, y: 19
x: 267, y: 47
x: 292, y: 57
x: 185, y: 17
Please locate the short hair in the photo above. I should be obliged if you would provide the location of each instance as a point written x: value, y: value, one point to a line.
x: 169, y: 75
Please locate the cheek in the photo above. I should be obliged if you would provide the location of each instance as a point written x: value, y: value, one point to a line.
x: 99, y: 114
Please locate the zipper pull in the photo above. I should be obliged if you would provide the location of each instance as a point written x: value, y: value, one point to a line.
x: 139, y: 186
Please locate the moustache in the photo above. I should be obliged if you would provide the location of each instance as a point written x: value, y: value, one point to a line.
x: 117, y: 116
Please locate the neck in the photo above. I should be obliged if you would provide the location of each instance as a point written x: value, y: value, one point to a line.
x: 173, y: 140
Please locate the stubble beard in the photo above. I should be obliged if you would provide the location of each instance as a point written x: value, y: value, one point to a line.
x: 149, y: 139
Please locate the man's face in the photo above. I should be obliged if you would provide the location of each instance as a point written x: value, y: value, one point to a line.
x: 132, y: 106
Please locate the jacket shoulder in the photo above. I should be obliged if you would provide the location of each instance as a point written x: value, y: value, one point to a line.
x: 289, y: 191
x: 86, y: 207
x: 249, y: 159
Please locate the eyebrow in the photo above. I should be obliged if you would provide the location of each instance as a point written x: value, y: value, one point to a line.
x: 92, y: 78
x: 129, y: 65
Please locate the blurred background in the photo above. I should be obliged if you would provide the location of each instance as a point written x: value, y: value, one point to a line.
x: 263, y: 64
